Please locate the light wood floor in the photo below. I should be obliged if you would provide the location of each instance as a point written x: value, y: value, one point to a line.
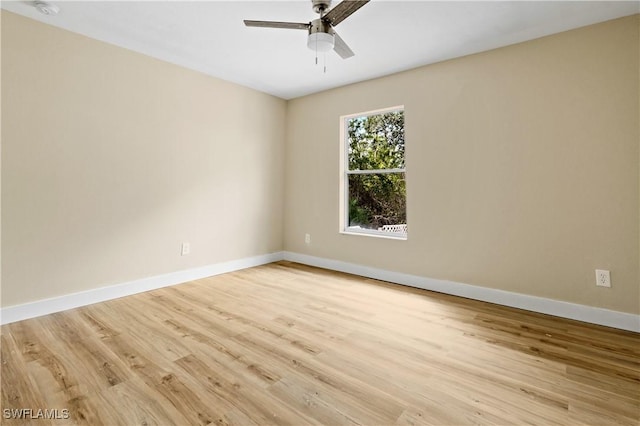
x: 289, y: 344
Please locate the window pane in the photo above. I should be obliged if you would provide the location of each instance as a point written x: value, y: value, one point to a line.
x: 378, y: 202
x: 376, y: 142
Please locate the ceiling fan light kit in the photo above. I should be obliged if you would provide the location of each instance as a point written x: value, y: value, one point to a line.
x: 320, y: 42
x: 322, y: 37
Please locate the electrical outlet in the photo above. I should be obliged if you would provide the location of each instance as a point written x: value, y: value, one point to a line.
x: 603, y: 278
x: 186, y: 249
x: 307, y: 238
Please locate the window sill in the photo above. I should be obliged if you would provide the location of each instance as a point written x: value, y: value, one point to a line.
x: 384, y: 235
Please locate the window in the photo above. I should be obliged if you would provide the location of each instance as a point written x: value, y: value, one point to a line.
x: 373, y: 174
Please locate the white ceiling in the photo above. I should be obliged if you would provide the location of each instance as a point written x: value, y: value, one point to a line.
x: 386, y: 36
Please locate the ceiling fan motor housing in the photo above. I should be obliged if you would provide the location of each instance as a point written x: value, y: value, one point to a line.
x: 320, y: 26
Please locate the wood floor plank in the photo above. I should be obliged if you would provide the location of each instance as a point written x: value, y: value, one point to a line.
x: 133, y: 402
x: 230, y: 387
x: 90, y: 357
x: 165, y: 382
x: 18, y: 391
x: 288, y: 344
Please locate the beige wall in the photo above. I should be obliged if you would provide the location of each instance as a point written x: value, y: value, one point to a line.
x: 111, y: 159
x: 522, y: 168
x: 0, y: 158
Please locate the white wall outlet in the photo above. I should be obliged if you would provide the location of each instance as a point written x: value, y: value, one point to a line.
x: 307, y: 238
x: 603, y: 278
x: 186, y: 249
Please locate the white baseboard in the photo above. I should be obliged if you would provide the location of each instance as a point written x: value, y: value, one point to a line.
x: 69, y: 301
x: 557, y: 308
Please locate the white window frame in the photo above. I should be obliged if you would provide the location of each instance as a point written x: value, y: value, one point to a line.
x: 345, y: 172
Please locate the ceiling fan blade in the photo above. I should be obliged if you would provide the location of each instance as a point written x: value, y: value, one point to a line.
x: 341, y: 47
x: 276, y: 24
x: 343, y: 10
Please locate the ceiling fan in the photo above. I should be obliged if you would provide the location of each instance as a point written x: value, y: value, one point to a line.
x: 322, y: 36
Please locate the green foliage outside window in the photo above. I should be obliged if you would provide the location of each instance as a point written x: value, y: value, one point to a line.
x: 376, y: 142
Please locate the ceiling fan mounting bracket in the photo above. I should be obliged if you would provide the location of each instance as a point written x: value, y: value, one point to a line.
x: 321, y: 6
